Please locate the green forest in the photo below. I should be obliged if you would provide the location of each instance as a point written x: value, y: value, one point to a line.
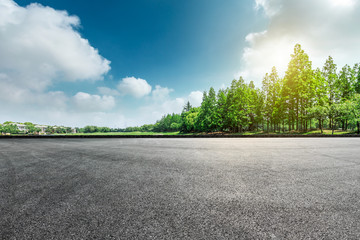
x: 304, y: 99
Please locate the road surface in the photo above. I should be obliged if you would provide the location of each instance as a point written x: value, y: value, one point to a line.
x: 272, y: 188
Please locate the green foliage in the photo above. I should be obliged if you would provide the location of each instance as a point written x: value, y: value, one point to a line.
x: 346, y: 83
x: 50, y: 130
x: 206, y: 119
x: 238, y: 106
x: 8, y: 127
x: 288, y: 103
x: 90, y: 129
x: 187, y: 107
x: 319, y: 113
x: 356, y: 70
x: 31, y: 129
x: 168, y: 123
x: 189, y: 119
x: 221, y: 110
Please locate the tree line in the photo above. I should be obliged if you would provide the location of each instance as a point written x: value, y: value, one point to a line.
x: 168, y: 123
x: 305, y: 98
x: 302, y: 99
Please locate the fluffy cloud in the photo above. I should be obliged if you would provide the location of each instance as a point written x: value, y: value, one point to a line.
x: 156, y: 109
x: 39, y: 44
x: 108, y: 91
x: 65, y: 118
x: 136, y: 87
x: 323, y: 28
x: 195, y: 98
x: 161, y: 93
x: 93, y: 103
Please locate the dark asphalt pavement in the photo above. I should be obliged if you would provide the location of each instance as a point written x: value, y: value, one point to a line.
x: 270, y: 188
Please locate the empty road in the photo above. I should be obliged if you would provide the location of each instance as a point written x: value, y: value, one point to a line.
x: 252, y: 188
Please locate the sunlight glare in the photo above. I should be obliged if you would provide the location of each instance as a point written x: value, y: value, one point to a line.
x: 344, y: 3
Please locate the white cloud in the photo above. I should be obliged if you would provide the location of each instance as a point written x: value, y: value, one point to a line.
x: 39, y: 44
x: 195, y: 98
x: 10, y: 93
x: 270, y: 7
x: 93, y: 103
x: 108, y: 91
x: 323, y: 28
x: 156, y: 109
x: 136, y: 87
x: 62, y: 117
x: 161, y: 93
x: 81, y: 119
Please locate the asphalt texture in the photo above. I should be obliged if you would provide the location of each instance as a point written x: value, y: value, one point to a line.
x: 180, y: 188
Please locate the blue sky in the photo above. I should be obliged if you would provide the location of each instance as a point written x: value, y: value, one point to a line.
x: 126, y: 63
x: 184, y: 45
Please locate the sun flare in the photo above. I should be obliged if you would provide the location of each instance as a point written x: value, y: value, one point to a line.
x: 343, y: 3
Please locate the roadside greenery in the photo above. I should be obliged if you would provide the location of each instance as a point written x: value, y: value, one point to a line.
x: 303, y: 99
x: 8, y: 128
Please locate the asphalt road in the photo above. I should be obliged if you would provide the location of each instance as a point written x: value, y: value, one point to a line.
x: 180, y: 188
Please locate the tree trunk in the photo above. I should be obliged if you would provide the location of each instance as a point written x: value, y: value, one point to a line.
x: 289, y: 122
x: 358, y: 126
x: 297, y: 115
x: 320, y: 125
x: 330, y: 123
x: 346, y: 125
x: 293, y: 123
x: 274, y: 127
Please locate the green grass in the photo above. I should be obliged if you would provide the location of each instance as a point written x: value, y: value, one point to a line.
x: 317, y: 132
x: 329, y: 132
x: 325, y: 132
x: 122, y: 133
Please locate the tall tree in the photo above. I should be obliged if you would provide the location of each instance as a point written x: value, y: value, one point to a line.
x: 329, y: 73
x: 346, y: 83
x: 272, y: 90
x: 356, y: 70
x: 238, y: 106
x: 221, y: 110
x: 206, y: 119
x: 187, y: 107
x: 297, y: 80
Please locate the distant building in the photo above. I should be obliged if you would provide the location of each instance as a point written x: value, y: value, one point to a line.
x: 24, y: 129
x: 42, y: 127
x: 21, y: 127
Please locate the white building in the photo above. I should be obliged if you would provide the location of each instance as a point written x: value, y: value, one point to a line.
x: 42, y: 127
x: 21, y: 127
